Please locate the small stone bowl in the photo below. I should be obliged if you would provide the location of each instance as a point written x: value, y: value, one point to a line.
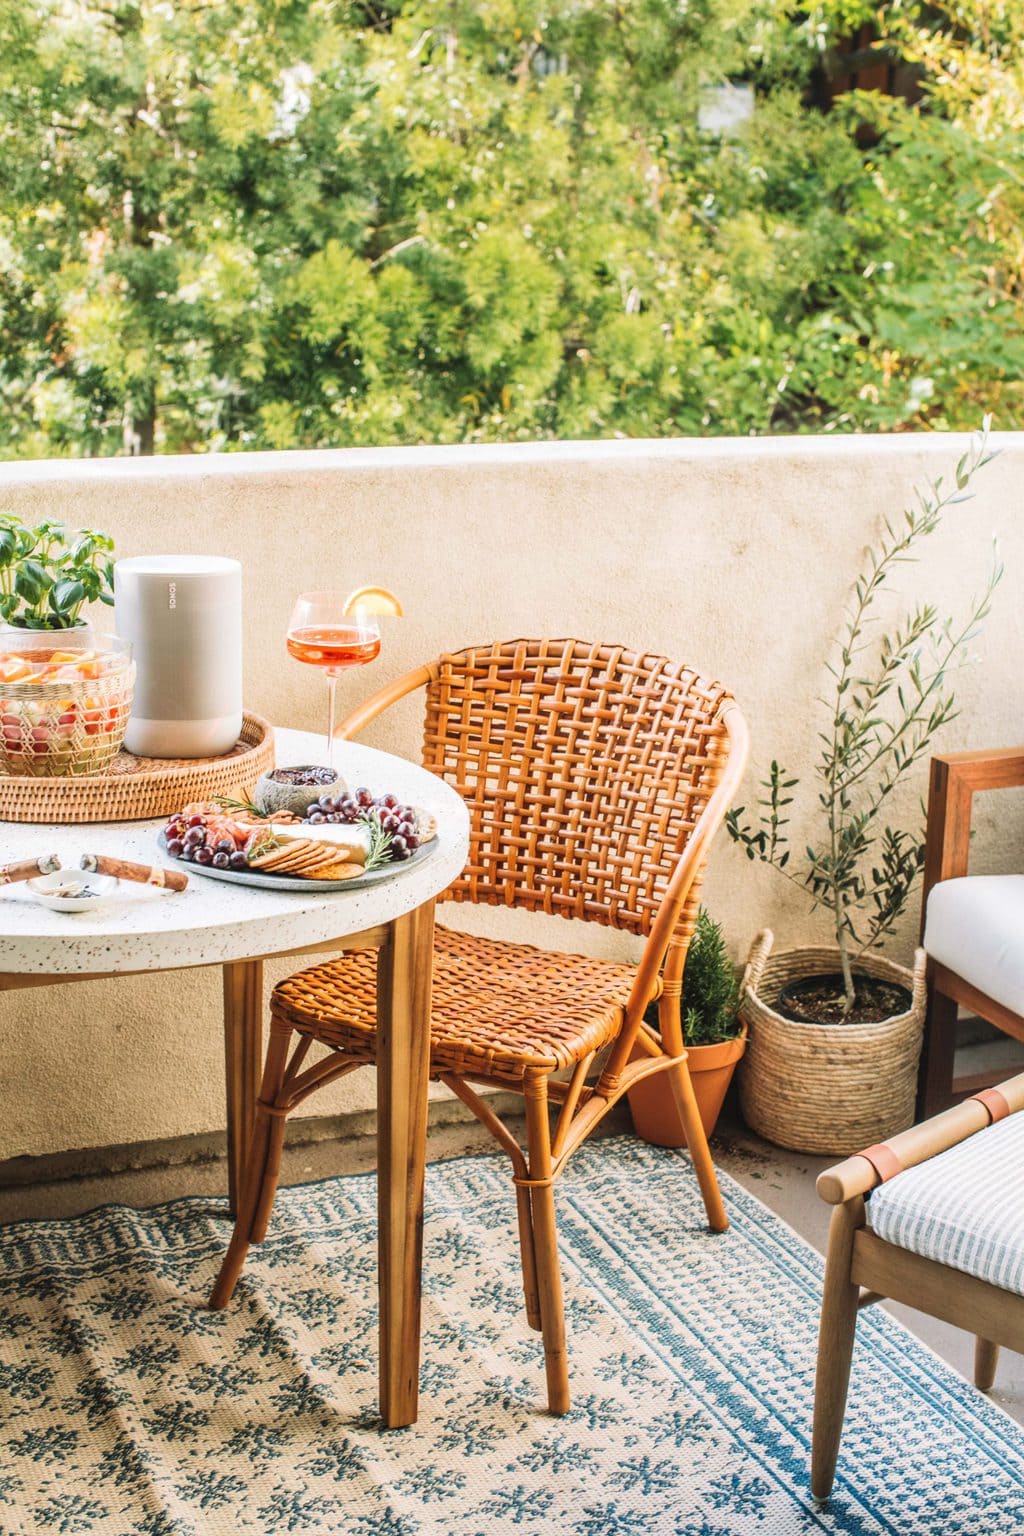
x: 273, y: 794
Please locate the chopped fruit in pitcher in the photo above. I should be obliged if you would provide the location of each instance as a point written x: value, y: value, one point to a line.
x: 43, y: 666
x: 14, y: 670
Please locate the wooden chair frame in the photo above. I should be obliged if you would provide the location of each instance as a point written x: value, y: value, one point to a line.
x: 862, y: 1269
x: 955, y: 780
x: 581, y: 1104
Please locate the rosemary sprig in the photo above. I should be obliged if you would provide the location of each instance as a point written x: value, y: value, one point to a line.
x: 380, y: 842
x: 266, y: 842
x: 228, y: 803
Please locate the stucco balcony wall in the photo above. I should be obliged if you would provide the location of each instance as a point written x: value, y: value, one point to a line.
x: 735, y: 555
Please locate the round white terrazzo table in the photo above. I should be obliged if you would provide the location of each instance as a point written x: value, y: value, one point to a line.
x: 141, y: 929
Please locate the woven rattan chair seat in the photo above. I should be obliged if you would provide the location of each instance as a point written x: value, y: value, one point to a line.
x: 497, y: 1008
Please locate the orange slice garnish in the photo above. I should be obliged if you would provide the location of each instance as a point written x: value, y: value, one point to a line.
x: 377, y: 600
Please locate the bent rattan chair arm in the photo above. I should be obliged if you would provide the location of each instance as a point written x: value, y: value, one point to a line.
x: 688, y: 872
x: 856, y: 1176
x: 378, y: 702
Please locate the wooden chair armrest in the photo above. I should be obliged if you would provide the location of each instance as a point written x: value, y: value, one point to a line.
x: 988, y: 768
x: 955, y: 778
x: 856, y: 1176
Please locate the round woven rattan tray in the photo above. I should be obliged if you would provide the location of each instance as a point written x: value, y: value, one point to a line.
x: 137, y: 788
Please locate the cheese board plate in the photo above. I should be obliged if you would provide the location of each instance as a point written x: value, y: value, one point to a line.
x: 270, y: 882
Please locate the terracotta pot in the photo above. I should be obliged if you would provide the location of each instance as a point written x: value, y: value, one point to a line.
x: 652, y: 1102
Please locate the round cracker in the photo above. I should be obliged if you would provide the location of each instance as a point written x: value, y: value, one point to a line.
x: 280, y: 858
x: 337, y: 872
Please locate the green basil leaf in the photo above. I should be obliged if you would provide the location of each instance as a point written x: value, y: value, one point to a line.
x: 66, y: 595
x: 31, y: 581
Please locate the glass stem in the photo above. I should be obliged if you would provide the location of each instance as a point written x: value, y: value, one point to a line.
x: 332, y: 684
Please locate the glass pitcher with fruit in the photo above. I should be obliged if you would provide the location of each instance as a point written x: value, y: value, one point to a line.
x: 64, y: 707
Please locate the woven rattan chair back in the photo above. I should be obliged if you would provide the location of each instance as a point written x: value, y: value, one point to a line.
x: 585, y: 769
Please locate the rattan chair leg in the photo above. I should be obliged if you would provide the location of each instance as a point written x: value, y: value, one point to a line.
x: 545, y: 1236
x: 241, y: 1237
x: 253, y: 1207
x: 835, y: 1346
x: 528, y: 1257
x: 986, y: 1358
x: 271, y: 1179
x: 697, y: 1142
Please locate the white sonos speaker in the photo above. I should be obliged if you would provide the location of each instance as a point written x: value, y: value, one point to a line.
x: 183, y: 615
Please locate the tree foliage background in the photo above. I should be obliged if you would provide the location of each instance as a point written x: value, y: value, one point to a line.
x: 231, y: 224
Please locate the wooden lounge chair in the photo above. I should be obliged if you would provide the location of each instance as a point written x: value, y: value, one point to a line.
x: 972, y: 926
x: 933, y: 1218
x: 595, y: 779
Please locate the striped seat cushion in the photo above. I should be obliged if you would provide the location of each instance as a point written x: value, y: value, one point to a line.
x: 964, y: 1208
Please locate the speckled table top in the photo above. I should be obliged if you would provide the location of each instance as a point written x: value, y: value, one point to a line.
x: 139, y: 928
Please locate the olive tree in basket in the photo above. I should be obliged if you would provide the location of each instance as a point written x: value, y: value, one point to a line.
x: 890, y: 692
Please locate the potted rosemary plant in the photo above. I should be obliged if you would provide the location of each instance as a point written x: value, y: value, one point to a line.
x: 835, y: 1032
x: 714, y: 1035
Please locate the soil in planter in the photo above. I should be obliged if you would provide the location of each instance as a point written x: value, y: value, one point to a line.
x: 820, y: 1000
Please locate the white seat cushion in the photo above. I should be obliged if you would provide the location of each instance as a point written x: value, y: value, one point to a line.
x: 975, y: 927
x: 964, y: 1208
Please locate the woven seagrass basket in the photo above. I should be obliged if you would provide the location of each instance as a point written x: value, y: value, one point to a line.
x: 831, y: 1088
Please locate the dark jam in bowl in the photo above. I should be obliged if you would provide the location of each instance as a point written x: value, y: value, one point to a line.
x: 304, y: 776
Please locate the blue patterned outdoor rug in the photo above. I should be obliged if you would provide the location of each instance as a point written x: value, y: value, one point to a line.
x: 128, y: 1410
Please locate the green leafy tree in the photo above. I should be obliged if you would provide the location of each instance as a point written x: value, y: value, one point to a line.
x: 291, y: 223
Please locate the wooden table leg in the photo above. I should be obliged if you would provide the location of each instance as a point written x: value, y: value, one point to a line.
x: 403, y: 1055
x: 243, y: 1055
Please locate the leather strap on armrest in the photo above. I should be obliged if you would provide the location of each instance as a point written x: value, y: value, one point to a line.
x: 883, y: 1160
x: 992, y: 1100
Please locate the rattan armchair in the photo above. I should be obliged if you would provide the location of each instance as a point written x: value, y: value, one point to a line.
x: 595, y: 779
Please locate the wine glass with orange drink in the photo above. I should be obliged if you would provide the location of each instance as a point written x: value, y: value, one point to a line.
x: 335, y: 633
